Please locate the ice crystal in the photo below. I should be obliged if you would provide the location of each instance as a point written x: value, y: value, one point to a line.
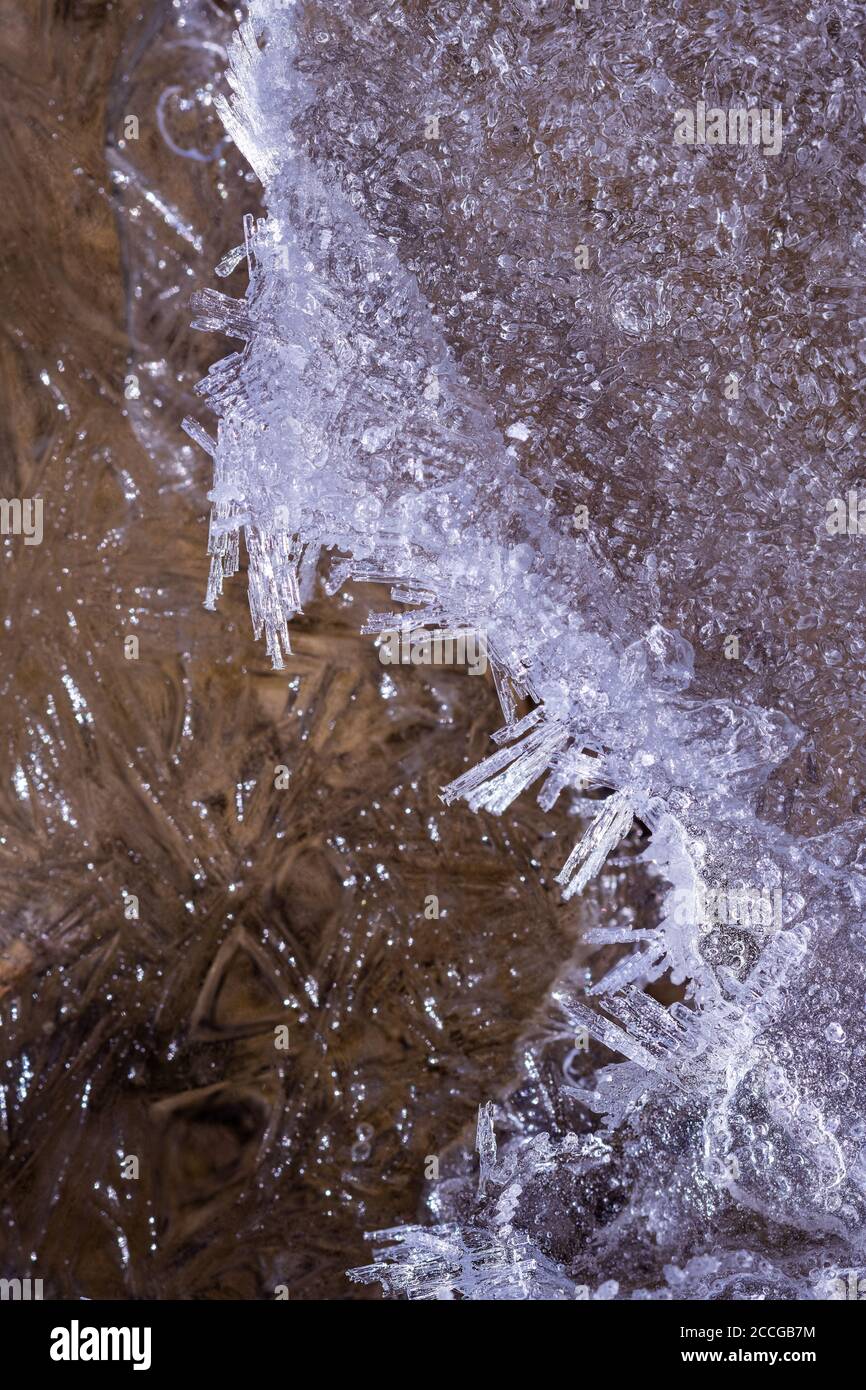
x: 558, y: 375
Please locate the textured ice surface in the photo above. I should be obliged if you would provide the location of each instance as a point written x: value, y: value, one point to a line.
x: 556, y: 377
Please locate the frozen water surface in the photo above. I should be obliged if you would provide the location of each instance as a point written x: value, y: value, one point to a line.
x: 570, y: 956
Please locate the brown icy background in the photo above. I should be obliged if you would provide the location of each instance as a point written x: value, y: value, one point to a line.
x: 155, y: 777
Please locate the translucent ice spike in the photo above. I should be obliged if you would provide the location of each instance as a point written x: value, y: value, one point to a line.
x: 513, y: 731
x: 500, y: 779
x: 614, y: 1037
x: 485, y: 1143
x: 610, y: 825
x: 644, y: 966
x: 199, y: 434
x: 230, y: 261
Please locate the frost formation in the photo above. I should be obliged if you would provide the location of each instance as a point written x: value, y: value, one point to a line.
x: 492, y: 291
